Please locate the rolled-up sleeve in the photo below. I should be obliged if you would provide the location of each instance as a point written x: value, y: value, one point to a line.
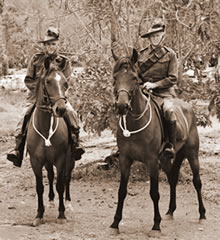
x: 67, y: 70
x: 30, y: 78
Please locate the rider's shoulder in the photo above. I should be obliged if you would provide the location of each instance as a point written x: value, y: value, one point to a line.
x: 170, y: 50
x: 38, y: 57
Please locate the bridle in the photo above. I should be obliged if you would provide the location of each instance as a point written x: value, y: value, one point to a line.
x: 130, y: 94
x: 48, y: 101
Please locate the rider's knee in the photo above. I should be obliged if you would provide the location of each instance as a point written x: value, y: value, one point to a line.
x: 169, y: 112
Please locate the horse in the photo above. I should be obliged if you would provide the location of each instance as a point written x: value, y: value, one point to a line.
x: 48, y: 138
x: 139, y: 137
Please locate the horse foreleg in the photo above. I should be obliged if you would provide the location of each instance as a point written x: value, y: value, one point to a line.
x: 173, y: 177
x: 125, y: 166
x: 60, y: 190
x: 40, y: 191
x: 155, y: 196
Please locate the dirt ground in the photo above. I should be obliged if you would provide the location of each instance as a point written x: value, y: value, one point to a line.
x: 94, y: 198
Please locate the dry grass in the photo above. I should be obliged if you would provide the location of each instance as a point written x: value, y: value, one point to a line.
x: 11, y: 110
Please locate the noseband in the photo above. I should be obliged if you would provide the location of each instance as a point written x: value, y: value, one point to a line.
x: 131, y: 92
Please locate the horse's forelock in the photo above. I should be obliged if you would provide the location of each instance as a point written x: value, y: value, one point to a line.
x: 120, y: 64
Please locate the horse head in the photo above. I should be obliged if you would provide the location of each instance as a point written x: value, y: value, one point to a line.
x: 126, y: 81
x: 53, y: 85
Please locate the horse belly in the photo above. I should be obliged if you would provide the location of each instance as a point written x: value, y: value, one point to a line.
x: 139, y: 147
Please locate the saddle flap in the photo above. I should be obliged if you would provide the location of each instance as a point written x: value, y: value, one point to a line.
x: 182, y: 125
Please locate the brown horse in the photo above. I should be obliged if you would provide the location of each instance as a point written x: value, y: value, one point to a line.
x: 139, y: 137
x: 48, y: 140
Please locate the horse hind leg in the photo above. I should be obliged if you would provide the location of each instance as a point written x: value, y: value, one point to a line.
x: 192, y: 156
x: 70, y: 164
x: 155, y: 196
x: 50, y: 176
x: 173, y: 177
x: 60, y: 190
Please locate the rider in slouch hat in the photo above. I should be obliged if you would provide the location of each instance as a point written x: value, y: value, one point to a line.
x: 33, y: 75
x: 158, y: 70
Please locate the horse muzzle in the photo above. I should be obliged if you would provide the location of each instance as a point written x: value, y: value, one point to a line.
x: 59, y: 108
x: 122, y: 108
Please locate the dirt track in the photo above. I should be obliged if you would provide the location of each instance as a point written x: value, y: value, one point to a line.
x: 94, y: 198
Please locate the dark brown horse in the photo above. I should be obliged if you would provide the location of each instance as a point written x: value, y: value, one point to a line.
x: 47, y: 138
x: 139, y: 137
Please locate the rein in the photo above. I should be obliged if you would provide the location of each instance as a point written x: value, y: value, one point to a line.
x: 124, y: 129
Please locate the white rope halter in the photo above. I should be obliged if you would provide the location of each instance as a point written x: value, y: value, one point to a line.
x: 124, y: 129
x: 51, y: 131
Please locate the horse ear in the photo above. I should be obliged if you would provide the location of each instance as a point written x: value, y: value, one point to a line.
x: 114, y: 56
x: 47, y: 63
x: 134, y: 56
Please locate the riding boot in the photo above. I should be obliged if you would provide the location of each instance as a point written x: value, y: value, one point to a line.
x: 77, y: 149
x: 16, y: 155
x: 170, y: 147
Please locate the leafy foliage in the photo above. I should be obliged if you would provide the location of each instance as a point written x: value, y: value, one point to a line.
x: 91, y: 94
x: 86, y: 35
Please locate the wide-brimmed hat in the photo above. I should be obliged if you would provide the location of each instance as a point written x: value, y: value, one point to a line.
x: 52, y: 34
x: 155, y: 28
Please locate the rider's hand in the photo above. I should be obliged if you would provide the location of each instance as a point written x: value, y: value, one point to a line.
x: 150, y: 85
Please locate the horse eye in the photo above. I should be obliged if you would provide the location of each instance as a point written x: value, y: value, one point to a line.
x: 65, y: 85
x: 48, y: 81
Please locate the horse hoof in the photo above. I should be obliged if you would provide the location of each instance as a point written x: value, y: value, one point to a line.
x: 37, y: 222
x: 202, y: 221
x: 69, y: 206
x: 168, y: 217
x: 61, y: 220
x: 114, y: 231
x: 155, y: 234
x: 51, y: 204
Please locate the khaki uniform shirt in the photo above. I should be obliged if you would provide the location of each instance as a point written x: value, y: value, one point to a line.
x: 35, y: 68
x: 164, y: 72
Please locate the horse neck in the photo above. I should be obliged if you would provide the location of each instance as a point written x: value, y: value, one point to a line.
x: 139, y: 102
x: 42, y: 116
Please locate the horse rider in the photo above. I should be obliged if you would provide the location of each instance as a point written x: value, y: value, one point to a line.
x: 34, y: 69
x: 158, y: 70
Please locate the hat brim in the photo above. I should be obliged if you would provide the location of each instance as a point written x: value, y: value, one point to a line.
x: 48, y: 39
x: 152, y: 31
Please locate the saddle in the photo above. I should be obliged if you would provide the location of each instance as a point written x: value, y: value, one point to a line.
x: 182, y: 125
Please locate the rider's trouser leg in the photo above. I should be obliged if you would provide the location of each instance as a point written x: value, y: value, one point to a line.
x: 170, y: 118
x: 72, y: 122
x: 16, y: 155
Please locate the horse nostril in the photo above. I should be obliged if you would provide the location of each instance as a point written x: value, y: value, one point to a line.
x: 122, y: 108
